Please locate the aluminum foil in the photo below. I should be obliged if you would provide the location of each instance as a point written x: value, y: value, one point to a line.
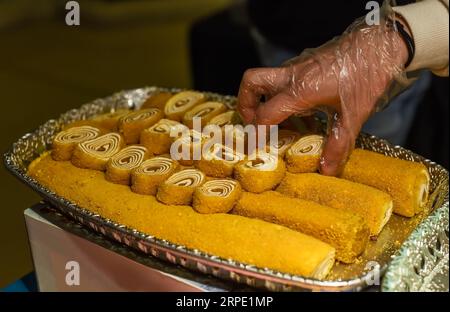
x: 366, y: 271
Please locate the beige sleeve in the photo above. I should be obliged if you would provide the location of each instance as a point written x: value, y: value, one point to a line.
x: 428, y: 22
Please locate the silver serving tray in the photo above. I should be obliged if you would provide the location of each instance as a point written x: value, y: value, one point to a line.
x: 342, y: 278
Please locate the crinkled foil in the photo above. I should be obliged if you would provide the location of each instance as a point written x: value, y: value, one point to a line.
x: 412, y: 246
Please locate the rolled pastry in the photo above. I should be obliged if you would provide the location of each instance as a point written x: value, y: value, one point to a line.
x: 407, y: 182
x: 285, y: 140
x: 188, y: 147
x: 179, y: 187
x: 344, y: 230
x: 372, y: 204
x: 95, y: 154
x: 132, y: 124
x: 206, y: 111
x: 261, y: 174
x: 151, y: 173
x: 249, y: 241
x: 219, y: 161
x: 216, y: 196
x: 65, y: 142
x: 157, y: 100
x: 157, y: 138
x: 182, y: 102
x: 110, y: 121
x: 228, y: 118
x: 120, y: 166
x: 304, y: 155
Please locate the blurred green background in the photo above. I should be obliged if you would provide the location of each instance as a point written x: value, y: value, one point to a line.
x: 47, y: 67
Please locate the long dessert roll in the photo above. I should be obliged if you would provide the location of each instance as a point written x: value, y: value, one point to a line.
x: 182, y: 102
x: 105, y: 122
x: 132, y: 124
x: 285, y: 140
x: 372, y: 204
x: 151, y: 173
x: 344, y: 230
x: 157, y: 138
x: 216, y: 196
x: 230, y: 117
x: 218, y: 161
x: 304, y: 155
x: 188, y: 147
x: 65, y: 141
x: 260, y: 172
x: 407, y: 182
x: 205, y: 111
x: 157, y: 100
x: 120, y: 166
x: 179, y: 187
x: 227, y: 236
x: 95, y: 154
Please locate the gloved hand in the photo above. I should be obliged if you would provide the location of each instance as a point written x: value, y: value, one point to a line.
x: 348, y: 78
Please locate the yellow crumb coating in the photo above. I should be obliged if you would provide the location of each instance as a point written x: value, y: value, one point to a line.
x: 120, y: 166
x: 156, y: 100
x: 182, y: 102
x: 95, y: 154
x: 228, y: 236
x: 205, y: 111
x: 263, y: 173
x: 179, y: 187
x: 407, y: 182
x: 132, y: 124
x: 151, y: 173
x: 345, y: 231
x: 218, y: 161
x: 65, y: 141
x: 304, y: 155
x: 216, y: 196
x: 372, y: 204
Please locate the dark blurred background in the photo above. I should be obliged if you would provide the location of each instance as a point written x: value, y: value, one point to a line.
x: 47, y: 67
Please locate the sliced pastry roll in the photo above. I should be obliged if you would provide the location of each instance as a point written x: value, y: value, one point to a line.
x: 205, y: 111
x: 407, y: 182
x: 188, y: 147
x: 179, y: 187
x: 182, y: 102
x: 132, y: 124
x: 151, y: 173
x: 260, y: 172
x: 216, y: 196
x: 228, y: 118
x: 304, y: 155
x: 95, y: 154
x: 218, y: 161
x: 120, y: 166
x: 157, y: 139
x: 110, y: 121
x: 156, y: 100
x: 65, y: 142
x: 285, y: 140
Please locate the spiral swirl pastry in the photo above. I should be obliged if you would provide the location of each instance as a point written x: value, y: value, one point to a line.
x: 216, y: 196
x: 219, y: 161
x: 132, y: 124
x: 227, y: 118
x: 304, y: 155
x: 119, y: 167
x: 188, y: 147
x: 178, y: 188
x: 206, y: 111
x: 66, y: 141
x: 260, y: 172
x: 182, y: 102
x: 157, y: 139
x: 95, y: 154
x: 285, y: 139
x: 151, y: 173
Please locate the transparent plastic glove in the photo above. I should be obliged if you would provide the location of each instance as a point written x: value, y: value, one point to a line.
x: 348, y: 78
